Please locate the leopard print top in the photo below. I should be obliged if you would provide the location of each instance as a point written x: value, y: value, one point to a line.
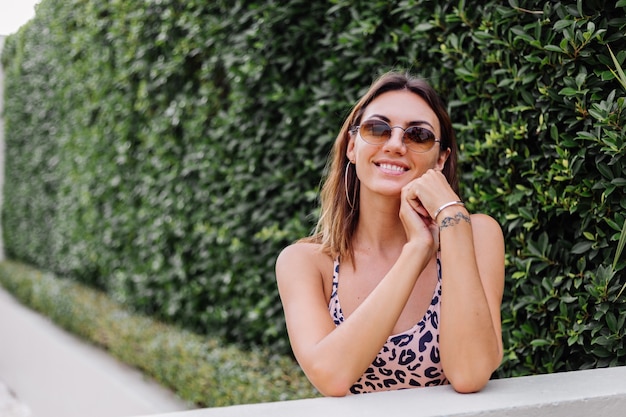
x: 407, y: 360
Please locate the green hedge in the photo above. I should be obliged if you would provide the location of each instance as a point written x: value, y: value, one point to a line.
x: 198, y: 369
x: 166, y: 151
x: 542, y: 118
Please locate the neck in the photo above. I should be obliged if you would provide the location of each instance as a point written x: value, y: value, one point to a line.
x: 379, y: 229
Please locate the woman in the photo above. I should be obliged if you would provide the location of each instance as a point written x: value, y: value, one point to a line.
x: 399, y: 286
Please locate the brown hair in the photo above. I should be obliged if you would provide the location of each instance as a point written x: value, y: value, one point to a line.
x: 338, y: 219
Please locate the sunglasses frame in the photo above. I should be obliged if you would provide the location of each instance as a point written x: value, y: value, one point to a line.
x: 405, y: 140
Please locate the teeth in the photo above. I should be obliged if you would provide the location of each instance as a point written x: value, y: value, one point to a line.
x: 392, y: 167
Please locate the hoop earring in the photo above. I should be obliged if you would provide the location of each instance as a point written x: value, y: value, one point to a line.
x: 345, y: 183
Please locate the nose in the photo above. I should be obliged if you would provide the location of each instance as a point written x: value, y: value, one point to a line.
x: 395, y: 143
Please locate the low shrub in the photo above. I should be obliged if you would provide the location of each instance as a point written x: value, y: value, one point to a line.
x: 198, y: 369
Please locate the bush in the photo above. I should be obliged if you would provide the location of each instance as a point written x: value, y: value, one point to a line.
x: 541, y: 116
x: 165, y: 152
x: 200, y: 370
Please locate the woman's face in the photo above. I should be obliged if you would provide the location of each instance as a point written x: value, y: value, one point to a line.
x: 387, y: 167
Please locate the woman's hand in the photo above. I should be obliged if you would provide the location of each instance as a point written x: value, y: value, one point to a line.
x: 419, y: 201
x: 417, y: 222
x: 432, y: 191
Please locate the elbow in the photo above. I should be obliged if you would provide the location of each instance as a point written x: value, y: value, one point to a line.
x: 333, y: 390
x: 330, y: 382
x: 465, y: 385
x: 469, y: 383
x: 470, y: 373
x: 333, y: 387
x: 467, y: 380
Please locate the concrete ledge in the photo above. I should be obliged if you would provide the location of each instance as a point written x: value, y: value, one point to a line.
x: 597, y: 392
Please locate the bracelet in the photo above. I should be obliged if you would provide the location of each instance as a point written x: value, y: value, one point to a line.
x: 451, y: 203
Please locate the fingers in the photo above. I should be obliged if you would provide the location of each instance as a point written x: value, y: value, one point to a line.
x: 430, y: 190
x: 417, y: 222
x: 416, y: 205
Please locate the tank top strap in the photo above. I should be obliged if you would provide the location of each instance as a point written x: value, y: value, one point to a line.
x: 439, y: 266
x: 333, y: 305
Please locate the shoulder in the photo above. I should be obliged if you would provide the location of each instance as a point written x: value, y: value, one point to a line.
x: 488, y: 240
x: 304, y: 270
x: 489, y: 247
x: 485, y: 226
x: 484, y: 219
x: 302, y: 257
x: 302, y: 251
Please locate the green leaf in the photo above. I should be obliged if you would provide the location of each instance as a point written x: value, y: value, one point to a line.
x: 540, y: 342
x: 568, y: 91
x: 620, y: 247
x: 553, y: 48
x: 611, y: 322
x: 618, y: 72
x: 569, y: 299
x: 562, y: 24
x: 605, y: 171
x: 581, y: 247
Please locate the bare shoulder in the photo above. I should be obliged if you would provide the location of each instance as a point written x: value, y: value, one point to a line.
x: 489, y: 247
x: 304, y: 278
x: 298, y: 249
x: 485, y: 227
x: 484, y: 219
x: 488, y: 241
x: 302, y: 258
x: 300, y: 252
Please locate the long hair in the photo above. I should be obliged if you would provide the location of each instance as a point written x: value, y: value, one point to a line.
x: 338, y: 216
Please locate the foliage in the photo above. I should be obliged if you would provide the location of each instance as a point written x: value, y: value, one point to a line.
x: 540, y: 98
x: 166, y: 151
x: 199, y: 369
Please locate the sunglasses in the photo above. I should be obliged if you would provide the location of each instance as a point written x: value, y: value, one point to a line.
x: 376, y: 132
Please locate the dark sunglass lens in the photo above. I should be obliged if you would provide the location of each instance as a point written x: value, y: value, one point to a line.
x: 375, y: 130
x: 420, y: 135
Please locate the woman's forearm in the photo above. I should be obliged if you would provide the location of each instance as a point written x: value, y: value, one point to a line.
x: 470, y: 344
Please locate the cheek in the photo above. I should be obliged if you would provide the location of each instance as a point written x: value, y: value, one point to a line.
x: 361, y: 151
x: 422, y: 166
x: 419, y: 173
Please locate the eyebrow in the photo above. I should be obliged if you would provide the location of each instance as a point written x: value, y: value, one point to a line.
x: 415, y: 122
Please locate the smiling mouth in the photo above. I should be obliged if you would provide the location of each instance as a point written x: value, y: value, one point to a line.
x: 393, y: 168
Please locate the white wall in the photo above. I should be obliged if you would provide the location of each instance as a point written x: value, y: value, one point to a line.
x: 590, y: 393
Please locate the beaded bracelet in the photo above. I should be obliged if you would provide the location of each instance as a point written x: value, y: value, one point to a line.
x: 451, y: 203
